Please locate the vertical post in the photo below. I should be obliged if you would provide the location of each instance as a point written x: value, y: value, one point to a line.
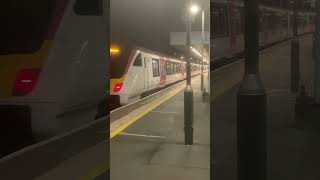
x: 251, y: 104
x: 107, y: 11
x: 202, y: 80
x: 289, y: 19
x: 316, y: 54
x: 209, y: 58
x: 188, y: 92
x: 295, y: 54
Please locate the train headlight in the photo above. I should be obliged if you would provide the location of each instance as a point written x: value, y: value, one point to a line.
x: 26, y: 80
x: 117, y: 87
x: 115, y: 51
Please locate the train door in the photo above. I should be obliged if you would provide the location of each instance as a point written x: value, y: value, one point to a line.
x: 181, y: 70
x: 155, y: 72
x: 162, y: 72
x: 146, y: 69
x: 232, y: 25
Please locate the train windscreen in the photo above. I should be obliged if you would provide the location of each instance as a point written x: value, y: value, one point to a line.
x: 24, y: 25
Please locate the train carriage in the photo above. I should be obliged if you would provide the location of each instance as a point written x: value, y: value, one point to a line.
x: 143, y: 71
x: 227, y: 26
x: 52, y: 66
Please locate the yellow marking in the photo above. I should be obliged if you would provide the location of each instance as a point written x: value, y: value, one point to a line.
x: 151, y: 106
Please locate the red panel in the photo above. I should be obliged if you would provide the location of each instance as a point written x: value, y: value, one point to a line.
x: 162, y: 71
x: 57, y: 16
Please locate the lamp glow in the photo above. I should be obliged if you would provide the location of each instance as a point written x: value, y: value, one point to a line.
x: 194, y: 9
x: 114, y: 50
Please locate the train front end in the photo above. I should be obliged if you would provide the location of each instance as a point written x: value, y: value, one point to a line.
x: 44, y: 67
x: 26, y: 39
x: 119, y: 55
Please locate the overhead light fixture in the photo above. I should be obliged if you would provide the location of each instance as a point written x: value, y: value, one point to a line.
x: 194, y: 9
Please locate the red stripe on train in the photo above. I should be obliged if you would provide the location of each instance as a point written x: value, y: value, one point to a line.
x: 57, y: 17
x: 162, y: 71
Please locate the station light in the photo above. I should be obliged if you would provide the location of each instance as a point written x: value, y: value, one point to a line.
x: 194, y: 9
x: 199, y: 54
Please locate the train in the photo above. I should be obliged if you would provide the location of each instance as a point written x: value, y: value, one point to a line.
x: 54, y: 61
x: 227, y: 26
x: 138, y: 71
x: 53, y: 67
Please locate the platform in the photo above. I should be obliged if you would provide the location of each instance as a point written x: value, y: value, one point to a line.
x: 291, y: 154
x: 153, y: 147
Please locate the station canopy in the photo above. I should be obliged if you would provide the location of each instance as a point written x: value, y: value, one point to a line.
x: 178, y: 41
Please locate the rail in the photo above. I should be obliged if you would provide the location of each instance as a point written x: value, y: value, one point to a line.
x: 122, y: 111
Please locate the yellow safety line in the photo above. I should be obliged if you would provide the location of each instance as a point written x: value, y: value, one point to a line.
x: 156, y: 103
x: 100, y: 170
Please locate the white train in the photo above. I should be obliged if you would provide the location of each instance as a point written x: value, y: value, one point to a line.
x: 142, y: 71
x: 227, y: 26
x: 53, y: 68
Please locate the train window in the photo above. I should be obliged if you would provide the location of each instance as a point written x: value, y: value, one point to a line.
x: 168, y: 71
x: 155, y: 67
x: 291, y: 21
x: 219, y: 20
x: 138, y: 60
x: 89, y: 7
x: 238, y: 21
x: 284, y: 22
x: 177, y: 68
x: 24, y: 25
x: 172, y: 68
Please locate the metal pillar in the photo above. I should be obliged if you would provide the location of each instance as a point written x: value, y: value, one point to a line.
x: 202, y: 80
x: 188, y: 92
x: 251, y: 104
x: 295, y: 52
x: 316, y: 54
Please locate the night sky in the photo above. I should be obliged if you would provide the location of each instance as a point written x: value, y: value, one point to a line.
x: 148, y: 23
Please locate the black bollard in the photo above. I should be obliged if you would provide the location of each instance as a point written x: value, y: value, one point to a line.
x: 251, y: 104
x: 188, y: 92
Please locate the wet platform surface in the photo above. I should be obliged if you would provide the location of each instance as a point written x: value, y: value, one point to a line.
x: 291, y: 153
x: 153, y: 147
